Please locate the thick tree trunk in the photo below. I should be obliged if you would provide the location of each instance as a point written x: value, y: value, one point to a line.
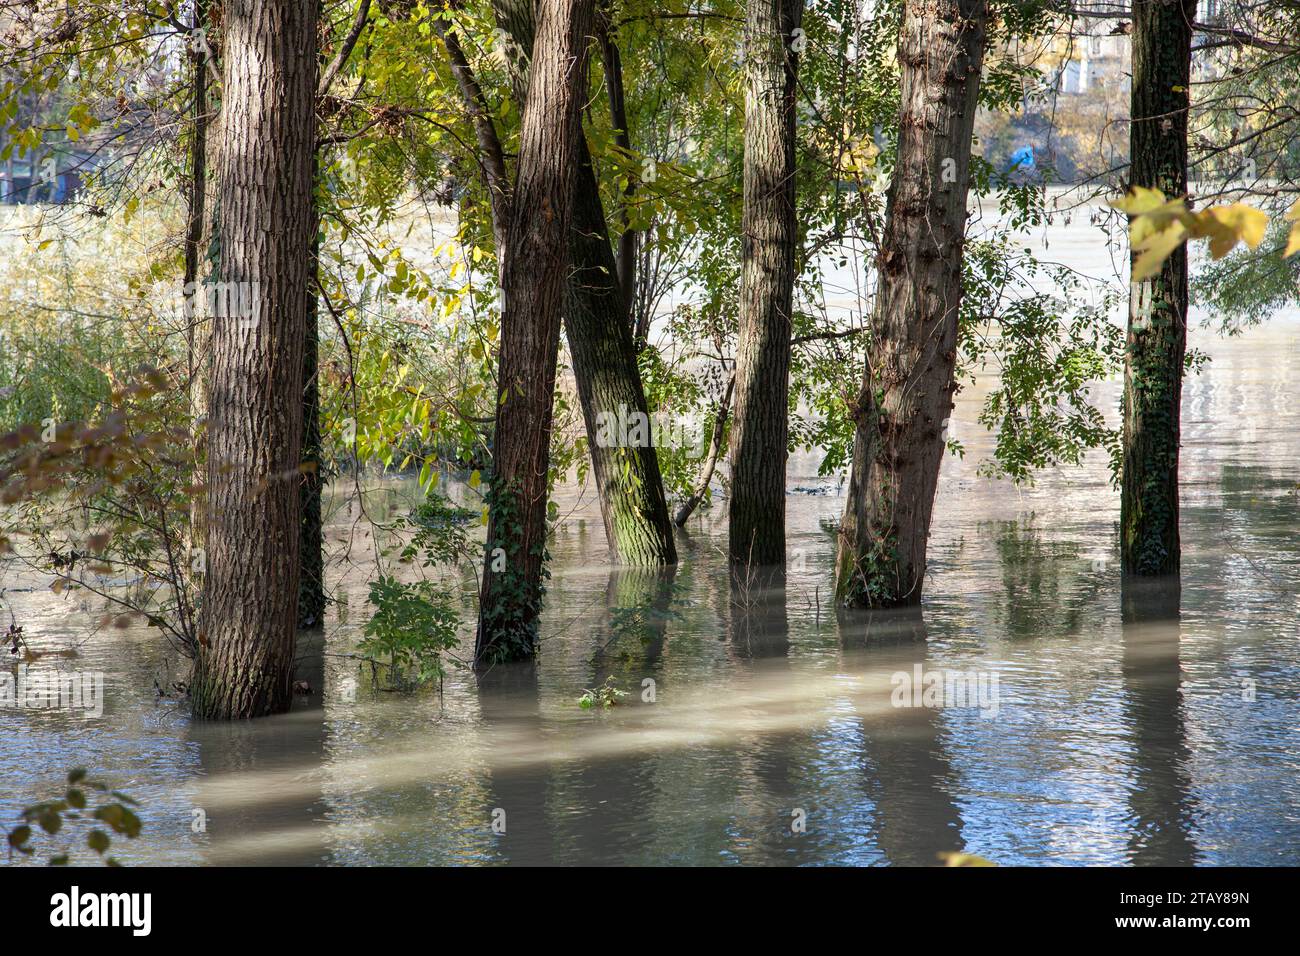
x: 245, y: 661
x: 760, y: 432
x: 534, y: 271
x: 1157, y: 327
x: 598, y: 326
x: 909, y: 383
x: 596, y: 320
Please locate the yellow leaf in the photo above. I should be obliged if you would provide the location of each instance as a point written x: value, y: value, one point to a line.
x: 1293, y: 241
x: 1225, y: 226
x: 1150, y: 219
x: 1139, y: 199
x: 1155, y: 249
x: 964, y: 859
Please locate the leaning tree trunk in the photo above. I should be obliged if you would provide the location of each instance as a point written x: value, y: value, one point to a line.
x: 760, y: 431
x: 599, y: 331
x: 1157, y: 326
x: 245, y: 659
x: 909, y: 381
x: 533, y: 274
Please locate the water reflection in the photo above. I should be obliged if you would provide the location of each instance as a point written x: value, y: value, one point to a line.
x: 518, y: 790
x: 905, y: 767
x: 283, y: 826
x: 759, y: 726
x: 1160, y: 800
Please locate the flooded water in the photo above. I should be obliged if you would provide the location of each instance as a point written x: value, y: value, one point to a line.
x: 760, y: 726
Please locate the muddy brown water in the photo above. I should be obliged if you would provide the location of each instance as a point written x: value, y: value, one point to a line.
x: 1124, y: 727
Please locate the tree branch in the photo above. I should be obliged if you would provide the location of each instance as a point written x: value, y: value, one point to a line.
x: 345, y: 51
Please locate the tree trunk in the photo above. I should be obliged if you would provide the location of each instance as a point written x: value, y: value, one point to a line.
x: 534, y: 271
x: 311, y: 556
x: 198, y: 234
x: 697, y: 496
x: 760, y: 432
x: 245, y: 661
x: 628, y: 480
x: 909, y: 383
x: 198, y: 180
x: 616, y: 91
x: 598, y: 326
x: 1157, y: 326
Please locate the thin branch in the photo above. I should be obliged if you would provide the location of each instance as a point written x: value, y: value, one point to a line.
x: 345, y: 51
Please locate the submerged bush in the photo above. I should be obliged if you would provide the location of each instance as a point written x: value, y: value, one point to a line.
x: 413, y: 625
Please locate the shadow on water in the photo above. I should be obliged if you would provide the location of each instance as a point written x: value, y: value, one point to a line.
x: 518, y: 791
x: 282, y: 826
x: 906, y: 771
x: 1047, y: 584
x: 759, y: 624
x: 640, y: 607
x: 773, y: 818
x: 614, y: 796
x: 1160, y: 798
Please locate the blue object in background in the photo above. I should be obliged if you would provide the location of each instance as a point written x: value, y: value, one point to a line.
x: 1023, y: 158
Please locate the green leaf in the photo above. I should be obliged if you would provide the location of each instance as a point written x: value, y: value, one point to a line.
x: 51, y: 820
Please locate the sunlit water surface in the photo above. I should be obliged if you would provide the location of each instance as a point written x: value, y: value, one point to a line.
x: 1116, y: 738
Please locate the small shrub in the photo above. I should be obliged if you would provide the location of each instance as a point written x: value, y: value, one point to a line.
x: 605, y: 696
x: 413, y: 626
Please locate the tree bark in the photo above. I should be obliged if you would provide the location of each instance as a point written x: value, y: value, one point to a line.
x: 245, y: 660
x: 628, y: 480
x: 760, y: 431
x: 616, y: 92
x: 909, y: 381
x: 1157, y: 326
x: 198, y: 234
x: 311, y: 554
x: 598, y: 327
x: 534, y: 271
